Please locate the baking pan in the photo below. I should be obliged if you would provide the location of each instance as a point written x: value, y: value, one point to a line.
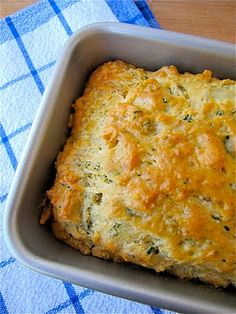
x: 34, y: 245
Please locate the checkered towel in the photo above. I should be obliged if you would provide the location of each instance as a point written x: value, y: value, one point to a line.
x: 31, y: 41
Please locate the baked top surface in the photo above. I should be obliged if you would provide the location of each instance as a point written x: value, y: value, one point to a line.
x: 148, y: 174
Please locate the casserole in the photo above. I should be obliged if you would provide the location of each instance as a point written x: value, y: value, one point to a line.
x: 33, y: 245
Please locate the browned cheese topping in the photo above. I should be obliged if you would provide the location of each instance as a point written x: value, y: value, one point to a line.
x: 148, y: 174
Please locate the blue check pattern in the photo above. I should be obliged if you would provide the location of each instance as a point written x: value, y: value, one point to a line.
x: 31, y: 41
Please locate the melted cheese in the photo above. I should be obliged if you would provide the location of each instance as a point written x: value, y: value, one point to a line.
x: 160, y: 149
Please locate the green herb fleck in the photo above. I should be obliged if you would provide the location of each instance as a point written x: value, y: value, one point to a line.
x: 207, y: 199
x: 106, y: 179
x: 181, y: 87
x: 90, y: 166
x: 87, y: 164
x: 215, y: 217
x: 88, y: 221
x: 220, y: 113
x: 65, y: 185
x: 164, y: 100
x: 97, y: 198
x: 183, y: 90
x: 227, y: 228
x: 136, y: 113
x: 153, y: 250
x: 131, y: 211
x: 170, y: 90
x: 188, y: 118
x: 147, y: 126
x: 88, y: 175
x: 116, y: 228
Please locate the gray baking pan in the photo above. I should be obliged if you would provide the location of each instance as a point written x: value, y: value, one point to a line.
x: 34, y: 245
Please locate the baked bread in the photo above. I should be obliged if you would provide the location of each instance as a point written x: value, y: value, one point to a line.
x: 148, y: 173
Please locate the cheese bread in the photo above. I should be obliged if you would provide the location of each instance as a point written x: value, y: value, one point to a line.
x: 148, y: 173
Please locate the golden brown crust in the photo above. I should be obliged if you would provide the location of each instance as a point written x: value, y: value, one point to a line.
x: 148, y: 174
x: 46, y: 214
x: 62, y: 234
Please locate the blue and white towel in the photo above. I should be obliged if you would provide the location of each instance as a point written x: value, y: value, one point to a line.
x: 31, y: 41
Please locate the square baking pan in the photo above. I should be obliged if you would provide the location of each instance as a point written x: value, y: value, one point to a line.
x: 33, y: 244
